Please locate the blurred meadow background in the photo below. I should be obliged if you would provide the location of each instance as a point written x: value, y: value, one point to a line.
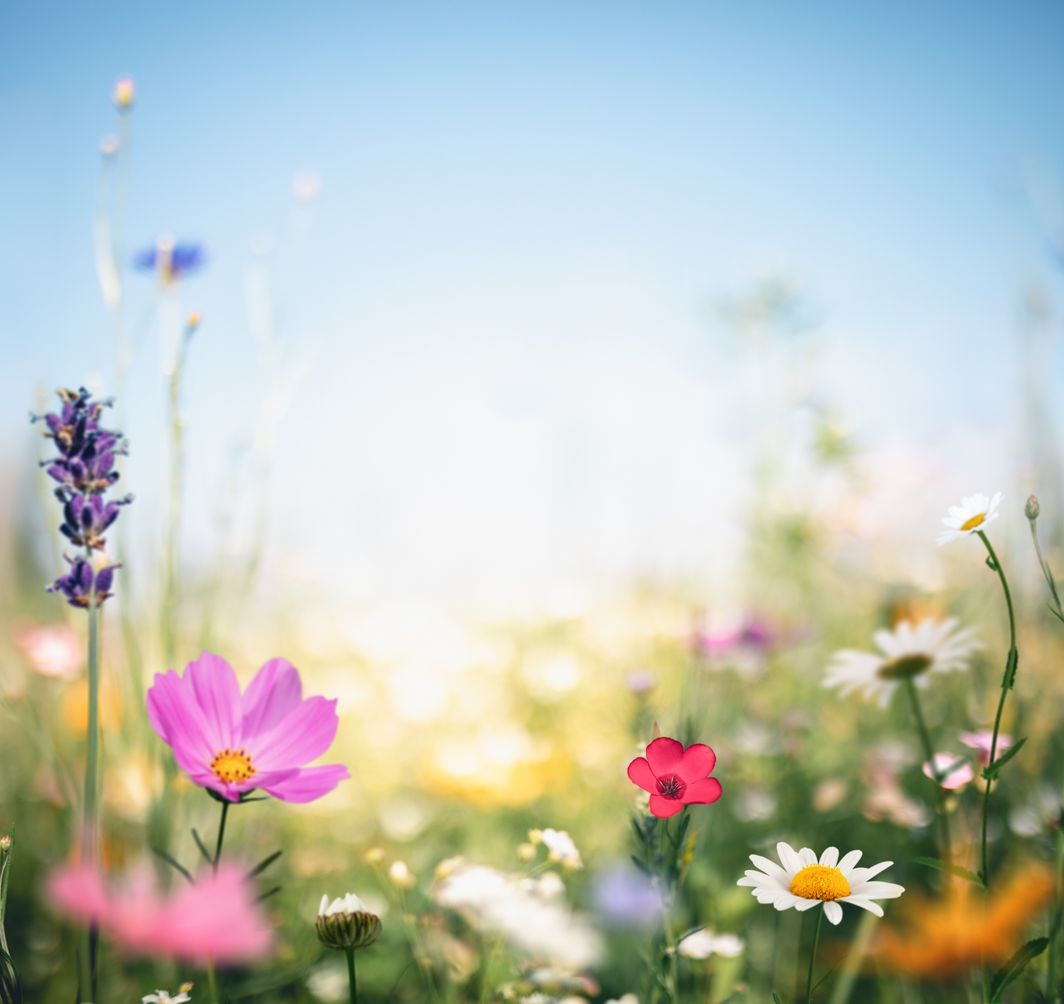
x: 539, y: 379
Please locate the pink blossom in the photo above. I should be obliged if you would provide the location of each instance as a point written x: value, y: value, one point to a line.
x: 216, y: 918
x: 981, y: 742
x: 233, y: 743
x: 953, y: 772
x: 52, y: 649
x: 675, y: 776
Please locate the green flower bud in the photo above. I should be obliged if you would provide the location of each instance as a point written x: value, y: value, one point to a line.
x: 346, y: 923
x: 1032, y: 508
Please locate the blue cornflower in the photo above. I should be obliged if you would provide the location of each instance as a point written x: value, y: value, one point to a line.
x: 171, y: 260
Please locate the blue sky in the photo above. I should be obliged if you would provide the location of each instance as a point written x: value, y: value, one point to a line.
x: 502, y: 302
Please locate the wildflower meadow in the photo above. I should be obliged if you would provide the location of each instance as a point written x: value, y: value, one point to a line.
x: 467, y: 537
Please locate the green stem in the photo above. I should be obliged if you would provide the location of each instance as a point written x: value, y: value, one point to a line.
x: 1052, y: 978
x: 812, y: 956
x: 1006, y: 686
x: 173, y: 530
x: 351, y: 981
x: 925, y: 738
x: 89, y: 819
x: 221, y: 835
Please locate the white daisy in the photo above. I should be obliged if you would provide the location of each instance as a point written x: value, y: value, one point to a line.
x: 803, y: 881
x: 344, y: 904
x: 971, y: 516
x: 560, y: 847
x: 906, y: 653
x: 162, y: 997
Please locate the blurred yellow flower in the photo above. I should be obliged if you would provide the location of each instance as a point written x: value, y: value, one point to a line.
x: 944, y: 939
x: 124, y: 94
x: 74, y: 708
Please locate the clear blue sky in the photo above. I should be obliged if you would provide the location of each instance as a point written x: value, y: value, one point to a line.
x: 526, y: 208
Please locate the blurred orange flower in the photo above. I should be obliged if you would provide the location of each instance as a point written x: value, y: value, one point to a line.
x: 943, y: 939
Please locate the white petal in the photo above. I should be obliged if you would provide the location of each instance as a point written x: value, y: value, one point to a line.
x: 788, y: 858
x: 830, y: 857
x: 849, y: 859
x: 767, y: 866
x: 805, y: 904
x: 807, y: 856
x: 864, y: 904
x: 833, y: 912
x: 878, y: 890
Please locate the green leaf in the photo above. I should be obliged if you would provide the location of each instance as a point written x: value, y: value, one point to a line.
x: 1016, y: 965
x: 269, y: 892
x: 776, y: 998
x: 1010, y: 669
x: 991, y: 772
x: 202, y: 847
x: 641, y: 865
x: 172, y: 862
x: 264, y: 864
x: 942, y: 866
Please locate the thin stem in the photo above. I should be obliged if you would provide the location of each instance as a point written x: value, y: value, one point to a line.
x: 925, y: 738
x: 212, y: 982
x: 90, y: 820
x: 1006, y: 686
x: 351, y: 981
x: 221, y: 836
x: 812, y: 956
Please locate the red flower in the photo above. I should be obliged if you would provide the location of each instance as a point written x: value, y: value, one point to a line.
x: 675, y: 776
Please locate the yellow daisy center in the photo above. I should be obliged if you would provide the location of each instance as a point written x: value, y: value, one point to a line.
x: 820, y: 882
x: 973, y: 521
x: 231, y: 766
x: 904, y: 667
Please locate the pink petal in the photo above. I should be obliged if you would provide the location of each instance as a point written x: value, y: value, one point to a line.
x: 703, y: 792
x: 175, y: 715
x: 665, y: 756
x: 639, y: 772
x: 274, y: 692
x: 78, y: 892
x: 697, y: 762
x: 663, y: 807
x: 217, y: 693
x: 303, y: 735
x: 307, y: 783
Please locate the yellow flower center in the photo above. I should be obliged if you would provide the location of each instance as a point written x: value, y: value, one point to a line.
x: 820, y: 882
x: 973, y: 521
x: 905, y: 667
x: 231, y: 766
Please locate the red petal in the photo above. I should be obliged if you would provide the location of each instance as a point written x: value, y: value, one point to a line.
x: 639, y: 772
x: 663, y: 807
x: 665, y: 756
x: 697, y: 762
x: 702, y: 792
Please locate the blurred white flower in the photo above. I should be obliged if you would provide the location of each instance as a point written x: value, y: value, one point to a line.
x: 971, y: 516
x: 703, y: 943
x: 52, y: 649
x: 906, y: 653
x: 534, y: 920
x: 400, y: 875
x: 162, y: 997
x: 560, y: 847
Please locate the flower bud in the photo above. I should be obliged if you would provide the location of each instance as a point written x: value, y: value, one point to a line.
x: 346, y: 923
x: 1032, y: 508
x: 124, y: 94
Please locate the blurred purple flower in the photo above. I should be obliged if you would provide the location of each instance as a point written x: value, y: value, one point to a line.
x: 624, y: 897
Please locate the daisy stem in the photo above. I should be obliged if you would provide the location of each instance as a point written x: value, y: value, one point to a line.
x: 812, y: 956
x: 1006, y: 685
x: 925, y: 738
x: 351, y: 981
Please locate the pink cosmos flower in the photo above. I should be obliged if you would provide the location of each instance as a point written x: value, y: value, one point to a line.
x: 216, y: 918
x: 675, y: 776
x: 981, y: 742
x: 52, y: 649
x: 233, y: 743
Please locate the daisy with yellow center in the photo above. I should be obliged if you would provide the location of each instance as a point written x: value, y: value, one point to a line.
x: 802, y: 881
x: 971, y: 516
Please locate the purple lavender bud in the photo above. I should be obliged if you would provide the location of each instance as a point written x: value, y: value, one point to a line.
x: 77, y: 584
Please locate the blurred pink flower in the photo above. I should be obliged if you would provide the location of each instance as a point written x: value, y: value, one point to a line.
x: 233, y: 743
x: 216, y: 918
x: 52, y: 649
x: 953, y: 771
x: 981, y: 741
